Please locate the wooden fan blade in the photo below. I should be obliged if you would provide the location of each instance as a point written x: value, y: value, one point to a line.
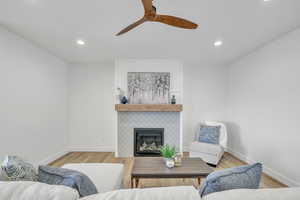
x: 147, y: 5
x: 132, y: 26
x: 175, y: 21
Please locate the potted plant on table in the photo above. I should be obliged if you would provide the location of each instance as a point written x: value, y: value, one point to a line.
x: 168, y: 153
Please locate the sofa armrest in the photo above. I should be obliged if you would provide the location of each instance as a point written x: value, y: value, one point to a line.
x: 25, y: 190
x: 259, y: 194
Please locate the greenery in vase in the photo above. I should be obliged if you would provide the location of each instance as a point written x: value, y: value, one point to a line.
x: 167, y: 151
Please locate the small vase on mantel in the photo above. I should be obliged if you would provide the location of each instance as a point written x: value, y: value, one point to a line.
x: 173, y: 100
x: 124, y: 100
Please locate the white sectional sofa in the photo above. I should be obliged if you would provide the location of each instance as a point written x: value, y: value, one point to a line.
x: 108, y: 180
x: 20, y: 190
x: 40, y: 191
x: 190, y: 193
x: 106, y: 177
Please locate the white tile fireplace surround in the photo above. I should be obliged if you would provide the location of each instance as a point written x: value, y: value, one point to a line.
x: 127, y: 121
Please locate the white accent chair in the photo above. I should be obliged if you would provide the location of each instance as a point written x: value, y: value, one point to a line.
x: 106, y: 176
x: 210, y: 153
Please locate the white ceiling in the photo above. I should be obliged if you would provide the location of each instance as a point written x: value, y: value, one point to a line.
x: 243, y: 25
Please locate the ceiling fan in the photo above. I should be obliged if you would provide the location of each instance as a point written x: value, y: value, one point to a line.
x: 152, y: 16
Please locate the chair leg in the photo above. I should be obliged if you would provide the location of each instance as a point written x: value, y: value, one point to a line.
x: 212, y: 165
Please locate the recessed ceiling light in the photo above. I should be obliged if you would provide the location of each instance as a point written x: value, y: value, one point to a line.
x: 267, y: 0
x: 80, y: 42
x: 218, y: 43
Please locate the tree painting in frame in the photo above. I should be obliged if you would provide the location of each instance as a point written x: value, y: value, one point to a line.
x: 148, y: 87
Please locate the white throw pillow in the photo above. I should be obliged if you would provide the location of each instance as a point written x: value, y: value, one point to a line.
x: 166, y: 193
x: 25, y: 190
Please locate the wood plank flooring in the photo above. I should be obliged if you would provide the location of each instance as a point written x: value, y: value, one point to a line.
x: 227, y: 161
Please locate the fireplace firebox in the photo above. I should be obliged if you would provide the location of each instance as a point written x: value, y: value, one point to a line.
x: 147, y: 141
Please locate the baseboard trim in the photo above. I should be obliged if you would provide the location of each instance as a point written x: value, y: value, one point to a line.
x: 269, y: 171
x: 92, y: 149
x: 51, y: 158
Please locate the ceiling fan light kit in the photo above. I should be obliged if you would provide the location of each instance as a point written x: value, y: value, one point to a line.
x: 152, y: 16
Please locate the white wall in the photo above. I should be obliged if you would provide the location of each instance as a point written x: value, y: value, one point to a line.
x: 204, y: 91
x: 91, y: 107
x: 32, y: 101
x: 92, y: 98
x: 264, y: 109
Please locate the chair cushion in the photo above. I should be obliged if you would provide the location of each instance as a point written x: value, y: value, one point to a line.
x: 105, y: 176
x: 18, y: 170
x: 246, y: 177
x: 209, y: 134
x: 206, y: 148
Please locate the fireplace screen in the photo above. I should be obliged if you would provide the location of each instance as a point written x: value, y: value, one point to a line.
x: 148, y: 141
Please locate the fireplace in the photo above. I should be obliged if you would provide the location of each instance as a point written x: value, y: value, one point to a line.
x: 147, y: 141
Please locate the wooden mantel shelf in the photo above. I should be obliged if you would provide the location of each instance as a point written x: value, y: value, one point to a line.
x: 148, y: 107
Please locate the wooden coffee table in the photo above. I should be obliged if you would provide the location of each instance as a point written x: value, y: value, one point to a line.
x: 155, y: 168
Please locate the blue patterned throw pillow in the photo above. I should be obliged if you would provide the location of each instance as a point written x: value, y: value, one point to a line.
x: 244, y: 177
x: 18, y: 170
x: 209, y: 134
x: 70, y: 178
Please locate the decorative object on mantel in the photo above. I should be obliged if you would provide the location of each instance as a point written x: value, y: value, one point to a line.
x: 173, y: 100
x: 120, y: 94
x: 148, y: 87
x: 168, y: 154
x: 124, y: 100
x: 148, y: 108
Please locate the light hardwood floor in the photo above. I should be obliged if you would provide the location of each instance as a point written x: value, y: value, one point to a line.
x: 227, y: 161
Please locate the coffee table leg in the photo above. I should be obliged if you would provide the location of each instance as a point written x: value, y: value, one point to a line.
x: 137, y: 182
x: 199, y: 181
x: 132, y: 180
